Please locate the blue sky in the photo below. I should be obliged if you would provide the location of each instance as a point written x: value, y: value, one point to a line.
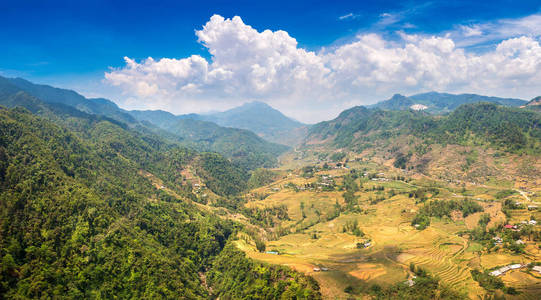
x: 74, y: 43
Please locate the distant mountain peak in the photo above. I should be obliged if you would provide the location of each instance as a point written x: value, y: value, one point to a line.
x: 256, y: 104
x: 259, y: 117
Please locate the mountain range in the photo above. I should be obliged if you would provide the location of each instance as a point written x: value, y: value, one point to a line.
x: 243, y: 146
x: 101, y: 202
x: 441, y: 103
x: 91, y: 207
x: 260, y: 118
x: 257, y: 117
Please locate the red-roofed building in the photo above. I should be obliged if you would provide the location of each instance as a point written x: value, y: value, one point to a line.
x: 508, y: 226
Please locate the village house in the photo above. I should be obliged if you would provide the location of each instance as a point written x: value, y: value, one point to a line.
x: 409, y: 282
x: 504, y: 269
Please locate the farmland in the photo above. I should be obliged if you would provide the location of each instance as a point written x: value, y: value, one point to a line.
x: 313, y: 237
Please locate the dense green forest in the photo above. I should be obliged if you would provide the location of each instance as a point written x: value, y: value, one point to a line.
x: 235, y: 277
x: 506, y: 128
x: 244, y: 147
x: 78, y: 221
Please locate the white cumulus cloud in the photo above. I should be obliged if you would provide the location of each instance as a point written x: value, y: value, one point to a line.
x: 249, y: 65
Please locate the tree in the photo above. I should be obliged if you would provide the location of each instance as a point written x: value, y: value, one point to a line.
x: 260, y: 245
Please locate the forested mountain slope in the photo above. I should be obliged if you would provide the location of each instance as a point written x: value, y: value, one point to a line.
x: 534, y: 104
x: 79, y: 220
x: 241, y: 146
x: 477, y: 142
x: 50, y: 94
x: 481, y: 123
x: 441, y: 103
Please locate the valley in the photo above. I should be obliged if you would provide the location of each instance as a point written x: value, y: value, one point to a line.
x: 374, y: 204
x: 270, y: 150
x: 313, y: 237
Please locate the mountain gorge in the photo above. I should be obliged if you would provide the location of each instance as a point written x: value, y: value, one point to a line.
x: 241, y: 145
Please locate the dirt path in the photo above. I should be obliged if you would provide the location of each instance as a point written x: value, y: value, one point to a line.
x: 203, y: 278
x: 523, y: 193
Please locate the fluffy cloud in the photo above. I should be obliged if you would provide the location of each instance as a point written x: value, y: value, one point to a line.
x: 250, y: 65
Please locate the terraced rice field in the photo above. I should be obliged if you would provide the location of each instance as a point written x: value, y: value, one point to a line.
x: 444, y: 261
x: 394, y: 242
x: 529, y: 286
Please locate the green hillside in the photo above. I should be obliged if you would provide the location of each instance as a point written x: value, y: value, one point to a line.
x: 511, y: 129
x: 51, y: 94
x: 442, y: 103
x: 78, y: 220
x: 242, y: 146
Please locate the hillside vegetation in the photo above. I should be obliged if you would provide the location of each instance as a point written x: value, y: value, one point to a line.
x: 442, y: 103
x: 78, y: 220
x: 511, y: 129
x: 98, y: 202
x: 242, y: 146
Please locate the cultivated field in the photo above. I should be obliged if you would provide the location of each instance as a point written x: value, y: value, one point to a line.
x: 316, y: 241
